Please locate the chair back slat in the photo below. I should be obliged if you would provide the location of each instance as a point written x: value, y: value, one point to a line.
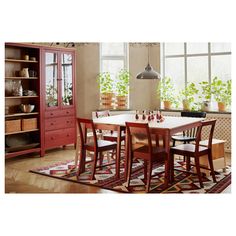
x: 84, y: 125
x: 192, y: 132
x: 138, y: 128
x: 210, y: 124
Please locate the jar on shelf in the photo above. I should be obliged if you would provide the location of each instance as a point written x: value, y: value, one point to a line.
x: 17, y: 89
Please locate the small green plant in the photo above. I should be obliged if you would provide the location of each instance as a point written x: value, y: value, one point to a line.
x: 188, y: 94
x: 205, y: 94
x: 221, y: 90
x: 67, y: 97
x: 105, y: 82
x: 122, y: 84
x: 166, y: 91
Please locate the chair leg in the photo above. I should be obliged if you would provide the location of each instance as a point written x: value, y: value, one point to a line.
x: 145, y: 172
x: 211, y: 166
x: 149, y: 175
x: 94, y: 165
x: 173, y: 144
x: 171, y: 167
x: 198, y: 171
x: 81, y: 168
x: 129, y: 169
x: 101, y: 159
x: 187, y: 163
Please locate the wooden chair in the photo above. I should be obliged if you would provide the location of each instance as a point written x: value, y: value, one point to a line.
x: 148, y: 153
x: 196, y: 151
x: 112, y: 135
x: 96, y: 146
x: 188, y: 135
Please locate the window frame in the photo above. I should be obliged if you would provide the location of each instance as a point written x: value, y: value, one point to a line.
x: 186, y: 55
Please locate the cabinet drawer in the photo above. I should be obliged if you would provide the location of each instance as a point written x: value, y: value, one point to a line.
x: 57, y: 113
x: 59, y: 123
x: 59, y: 137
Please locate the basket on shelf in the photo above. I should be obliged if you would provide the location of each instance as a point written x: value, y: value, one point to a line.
x: 12, y: 126
x: 29, y: 124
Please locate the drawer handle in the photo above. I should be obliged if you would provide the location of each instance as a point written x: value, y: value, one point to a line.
x: 67, y: 112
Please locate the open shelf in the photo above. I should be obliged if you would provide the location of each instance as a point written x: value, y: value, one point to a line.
x: 22, y: 152
x: 19, y: 60
x: 21, y: 132
x: 15, y: 78
x: 21, y: 114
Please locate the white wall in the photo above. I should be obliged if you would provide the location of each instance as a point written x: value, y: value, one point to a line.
x: 142, y: 92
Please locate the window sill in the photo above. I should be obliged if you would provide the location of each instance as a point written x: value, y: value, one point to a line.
x: 214, y: 112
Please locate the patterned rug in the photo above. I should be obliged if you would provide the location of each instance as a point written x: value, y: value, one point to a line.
x: 105, y: 178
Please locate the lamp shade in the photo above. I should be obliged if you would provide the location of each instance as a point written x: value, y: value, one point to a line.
x: 148, y: 73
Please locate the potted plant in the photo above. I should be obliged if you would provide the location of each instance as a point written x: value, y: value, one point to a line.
x: 122, y: 89
x: 105, y: 84
x: 205, y: 95
x: 67, y: 97
x: 166, y: 92
x: 221, y: 92
x: 188, y: 94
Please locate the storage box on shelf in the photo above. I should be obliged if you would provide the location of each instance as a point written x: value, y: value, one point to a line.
x: 12, y: 126
x: 29, y: 124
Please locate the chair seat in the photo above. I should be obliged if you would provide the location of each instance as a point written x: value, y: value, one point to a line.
x: 187, y: 148
x: 144, y: 152
x: 102, y: 145
x: 182, y: 138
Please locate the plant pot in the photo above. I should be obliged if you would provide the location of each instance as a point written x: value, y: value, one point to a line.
x: 206, y: 106
x: 186, y: 105
x: 221, y: 106
x: 167, y: 105
x: 107, y: 100
x: 121, y: 102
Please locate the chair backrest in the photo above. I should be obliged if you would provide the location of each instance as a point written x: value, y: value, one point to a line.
x: 100, y: 114
x: 84, y: 125
x: 194, y: 114
x: 136, y: 129
x: 143, y: 128
x: 211, y: 126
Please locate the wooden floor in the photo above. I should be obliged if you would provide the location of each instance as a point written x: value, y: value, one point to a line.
x: 18, y: 179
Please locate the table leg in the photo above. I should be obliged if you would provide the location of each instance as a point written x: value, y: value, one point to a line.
x: 118, y: 153
x: 127, y: 151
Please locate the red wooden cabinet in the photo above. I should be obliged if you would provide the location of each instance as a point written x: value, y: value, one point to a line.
x: 58, y: 92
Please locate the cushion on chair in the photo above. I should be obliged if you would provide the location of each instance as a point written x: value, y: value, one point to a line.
x: 188, y: 148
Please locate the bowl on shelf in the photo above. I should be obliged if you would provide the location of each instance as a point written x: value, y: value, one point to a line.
x: 27, y: 108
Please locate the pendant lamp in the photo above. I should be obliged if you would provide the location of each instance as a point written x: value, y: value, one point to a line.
x: 148, y: 72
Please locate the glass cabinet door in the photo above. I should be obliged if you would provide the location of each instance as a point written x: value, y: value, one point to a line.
x: 66, y: 79
x: 51, y: 67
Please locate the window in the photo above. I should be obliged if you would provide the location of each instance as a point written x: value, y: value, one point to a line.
x: 113, y: 58
x: 196, y: 62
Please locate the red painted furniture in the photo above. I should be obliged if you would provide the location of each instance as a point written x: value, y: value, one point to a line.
x: 196, y: 151
x: 58, y: 97
x: 96, y: 146
x: 147, y: 153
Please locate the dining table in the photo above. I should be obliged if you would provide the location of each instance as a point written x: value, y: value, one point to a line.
x: 173, y: 125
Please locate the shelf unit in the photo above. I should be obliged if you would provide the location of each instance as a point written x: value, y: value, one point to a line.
x: 14, y: 63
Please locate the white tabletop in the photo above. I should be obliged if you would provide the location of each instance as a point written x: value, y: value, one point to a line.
x: 168, y: 123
